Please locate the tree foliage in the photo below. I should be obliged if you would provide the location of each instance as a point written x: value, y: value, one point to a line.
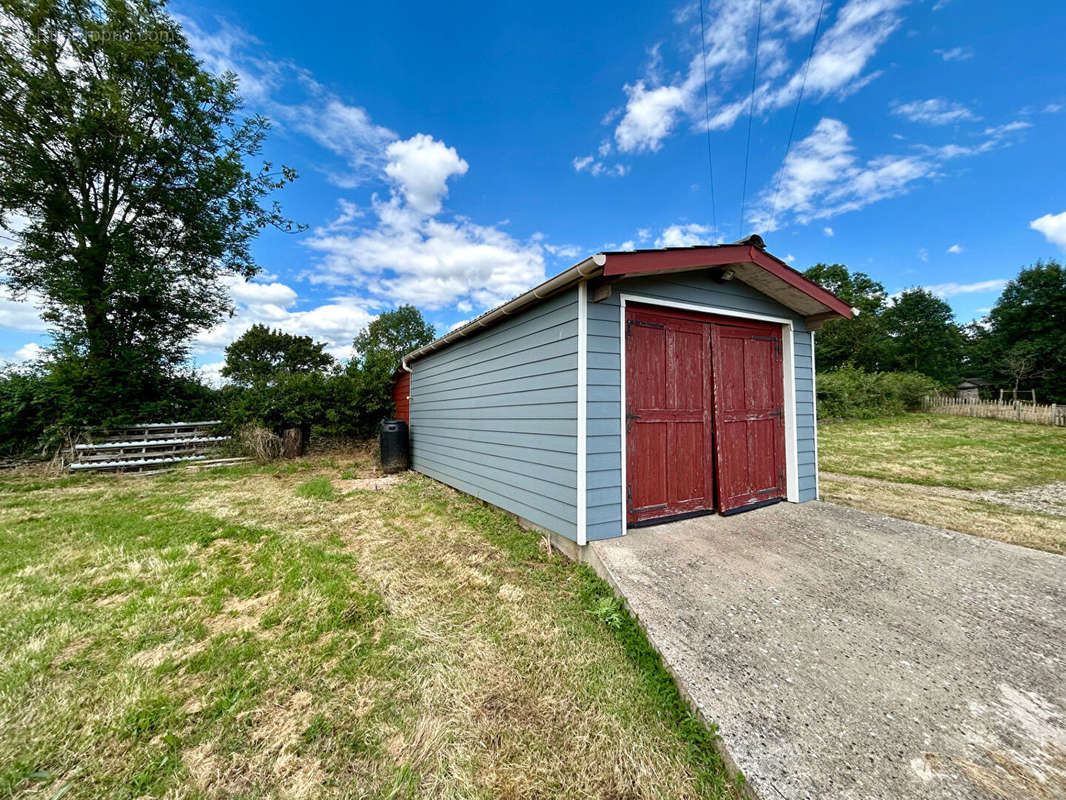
x: 380, y: 347
x: 923, y: 336
x: 262, y: 354
x: 1026, y: 331
x: 390, y: 337
x: 124, y: 187
x: 281, y: 380
x: 859, y: 341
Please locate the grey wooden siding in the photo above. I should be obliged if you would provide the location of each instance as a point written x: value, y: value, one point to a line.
x: 495, y: 415
x: 604, y: 384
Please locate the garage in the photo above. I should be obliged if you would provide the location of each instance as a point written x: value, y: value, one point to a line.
x: 634, y: 388
x: 704, y: 415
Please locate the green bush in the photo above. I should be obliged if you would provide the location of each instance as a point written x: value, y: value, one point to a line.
x: 337, y: 404
x: 852, y: 393
x: 41, y: 402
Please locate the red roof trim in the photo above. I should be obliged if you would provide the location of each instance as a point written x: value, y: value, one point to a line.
x: 640, y: 262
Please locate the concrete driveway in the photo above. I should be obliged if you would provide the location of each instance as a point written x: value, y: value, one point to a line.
x: 847, y: 655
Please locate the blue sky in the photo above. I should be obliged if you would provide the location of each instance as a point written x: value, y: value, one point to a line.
x: 453, y: 155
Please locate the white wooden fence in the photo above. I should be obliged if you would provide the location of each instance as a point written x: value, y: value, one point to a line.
x: 1015, y: 410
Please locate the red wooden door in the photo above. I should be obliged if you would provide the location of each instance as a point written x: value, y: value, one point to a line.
x: 748, y: 414
x: 668, y: 416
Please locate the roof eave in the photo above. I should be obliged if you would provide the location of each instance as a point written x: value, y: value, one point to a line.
x: 589, y: 268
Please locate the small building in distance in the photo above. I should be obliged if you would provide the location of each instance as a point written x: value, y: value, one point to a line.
x: 970, y: 389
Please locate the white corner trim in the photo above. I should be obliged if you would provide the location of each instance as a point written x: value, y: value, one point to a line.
x: 814, y: 403
x: 788, y: 378
x: 582, y: 411
x: 788, y: 355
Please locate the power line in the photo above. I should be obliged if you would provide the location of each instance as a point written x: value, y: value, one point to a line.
x: 795, y: 113
x: 707, y: 118
x: 751, y: 114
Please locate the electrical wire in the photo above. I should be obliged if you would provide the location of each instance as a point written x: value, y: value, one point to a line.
x: 751, y: 114
x: 707, y: 119
x: 795, y: 114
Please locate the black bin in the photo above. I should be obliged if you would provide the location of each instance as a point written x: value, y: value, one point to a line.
x: 395, y: 448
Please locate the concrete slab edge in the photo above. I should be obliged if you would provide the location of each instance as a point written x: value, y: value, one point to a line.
x: 588, y: 555
x: 596, y: 563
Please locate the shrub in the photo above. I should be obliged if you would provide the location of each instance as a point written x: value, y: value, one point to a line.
x: 41, y: 402
x: 852, y: 393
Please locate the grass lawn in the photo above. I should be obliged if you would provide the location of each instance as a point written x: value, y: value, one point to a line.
x: 945, y: 451
x: 951, y: 472
x: 261, y: 632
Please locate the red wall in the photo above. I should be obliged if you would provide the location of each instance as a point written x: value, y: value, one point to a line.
x: 400, y: 396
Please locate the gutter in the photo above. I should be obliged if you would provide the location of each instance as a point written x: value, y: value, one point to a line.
x: 588, y: 268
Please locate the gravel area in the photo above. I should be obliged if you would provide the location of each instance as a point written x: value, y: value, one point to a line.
x: 1049, y: 499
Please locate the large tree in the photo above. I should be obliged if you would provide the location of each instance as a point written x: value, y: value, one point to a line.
x: 1026, y: 332
x: 924, y: 336
x: 123, y: 183
x: 861, y: 340
x: 380, y: 348
x: 390, y: 337
x: 261, y: 354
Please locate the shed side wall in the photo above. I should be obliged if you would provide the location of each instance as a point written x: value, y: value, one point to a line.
x: 604, y: 384
x: 495, y: 414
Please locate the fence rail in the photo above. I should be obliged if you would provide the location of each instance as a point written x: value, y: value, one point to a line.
x: 152, y: 446
x: 1015, y: 410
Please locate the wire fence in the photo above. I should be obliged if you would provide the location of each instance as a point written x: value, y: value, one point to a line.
x: 1015, y: 410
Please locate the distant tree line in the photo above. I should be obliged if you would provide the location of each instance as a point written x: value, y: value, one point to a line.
x: 1020, y: 344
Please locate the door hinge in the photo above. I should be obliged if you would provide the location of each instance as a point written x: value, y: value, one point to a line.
x: 629, y: 498
x: 630, y: 416
x: 641, y: 323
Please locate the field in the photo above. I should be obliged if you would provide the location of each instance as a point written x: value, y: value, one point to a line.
x: 297, y: 632
x: 1001, y: 480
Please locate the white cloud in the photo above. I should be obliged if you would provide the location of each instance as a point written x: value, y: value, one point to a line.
x: 935, y: 111
x: 654, y: 106
x: 22, y: 315
x: 309, y: 108
x: 336, y: 323
x: 650, y: 115
x: 823, y: 177
x: 1053, y: 108
x: 1053, y: 226
x: 923, y: 254
x: 343, y: 129
x: 999, y: 131
x: 789, y: 258
x: 596, y: 167
x: 955, y: 249
x: 409, y: 258
x: 211, y: 374
x: 252, y: 293
x: 953, y: 289
x: 31, y: 351
x: 420, y: 167
x: 828, y: 231
x: 683, y: 236
x: 955, y: 53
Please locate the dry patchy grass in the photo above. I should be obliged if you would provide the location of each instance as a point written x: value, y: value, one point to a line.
x: 989, y: 478
x: 945, y: 451
x: 279, y: 631
x: 954, y: 510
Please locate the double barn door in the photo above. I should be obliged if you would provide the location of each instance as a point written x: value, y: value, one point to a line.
x: 704, y: 414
